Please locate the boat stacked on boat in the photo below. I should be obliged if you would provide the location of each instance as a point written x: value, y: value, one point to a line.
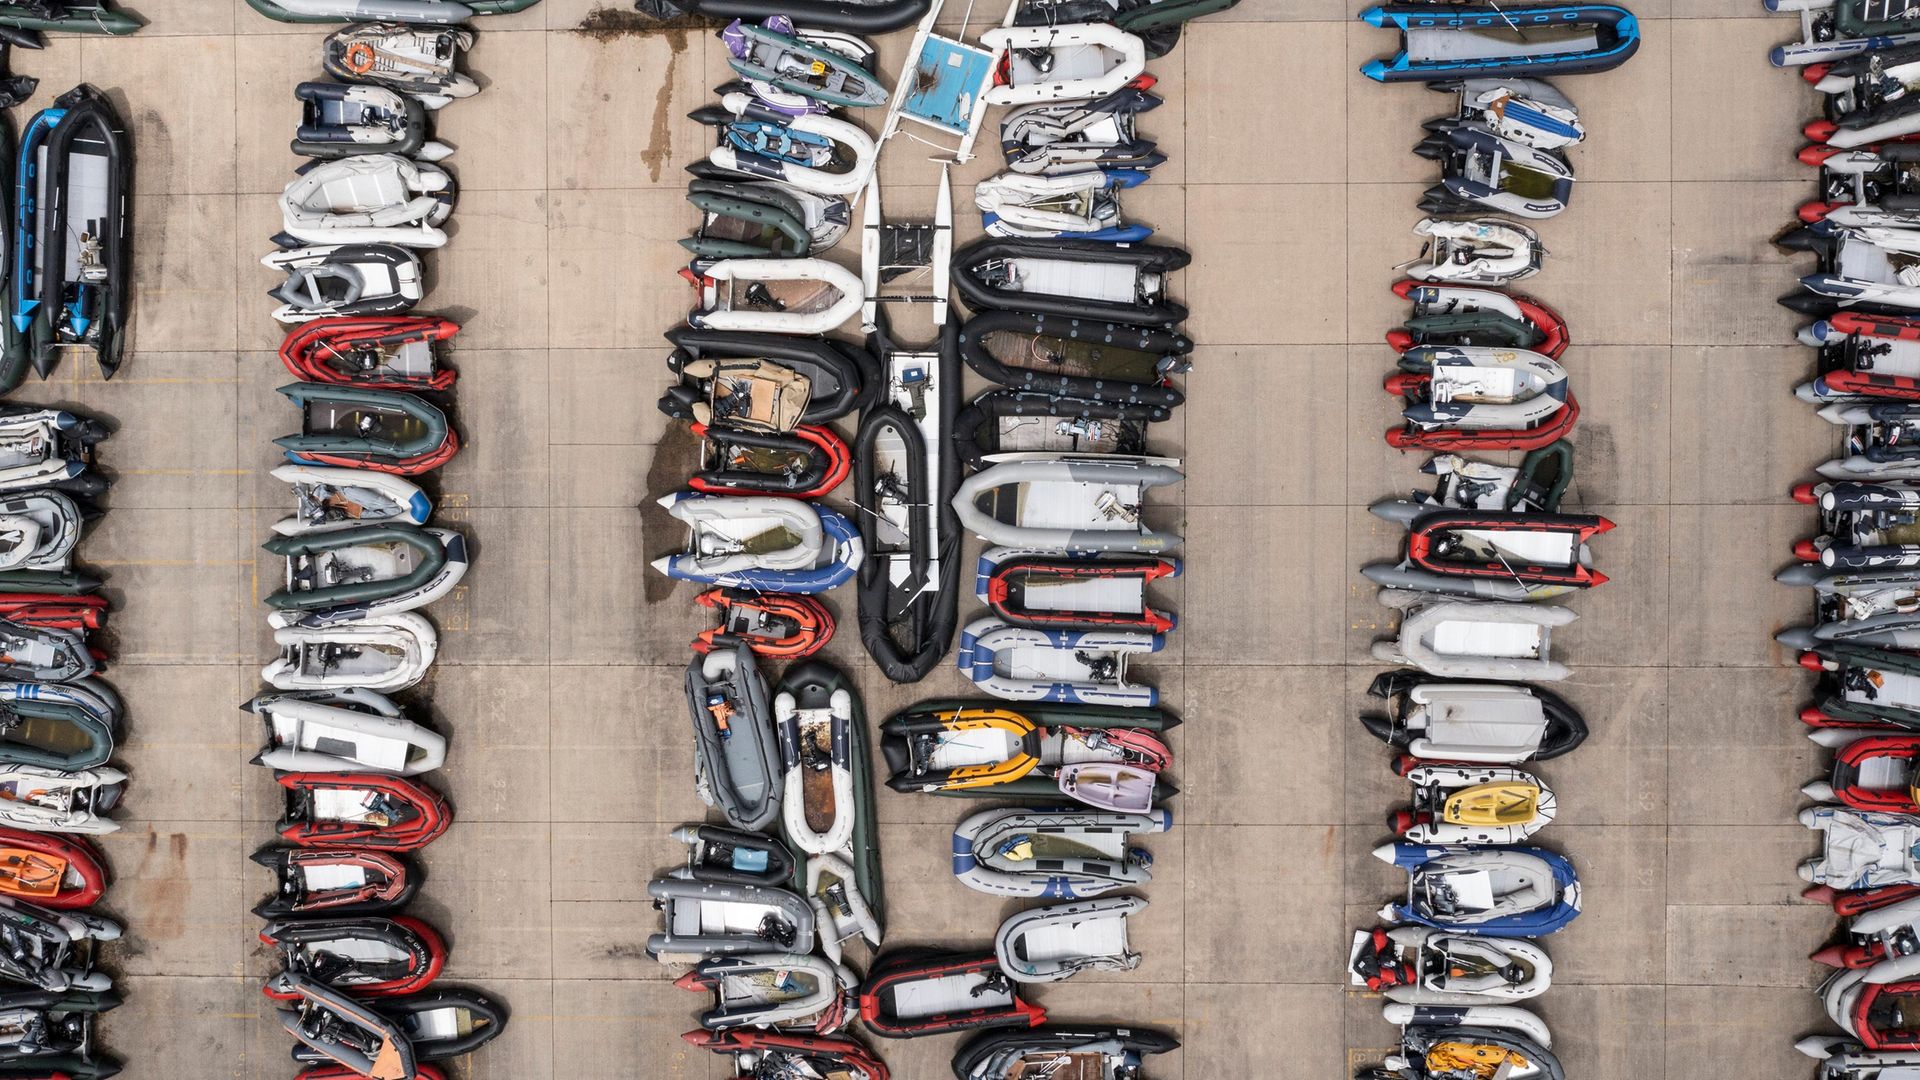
x: 345, y: 718
x: 1487, y: 551
x: 1067, y: 311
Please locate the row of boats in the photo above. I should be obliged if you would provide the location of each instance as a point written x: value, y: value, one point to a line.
x: 1486, y: 550
x: 1862, y: 226
x: 1075, y: 330
x: 359, y: 986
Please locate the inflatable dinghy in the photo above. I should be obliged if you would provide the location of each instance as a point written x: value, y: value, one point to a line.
x: 53, y: 1032
x: 38, y: 530
x: 1077, y: 279
x: 385, y: 653
x: 360, y: 810
x: 1873, y: 269
x: 717, y: 853
x: 1058, y: 62
x: 328, y: 498
x: 829, y: 817
x: 423, y: 12
x: 788, y: 991
x: 368, y: 199
x: 1531, y: 112
x: 777, y: 1054
x: 334, y: 881
x: 1075, y: 358
x: 1065, y: 503
x: 60, y: 800
x: 1082, y: 205
x: 904, y: 483
x: 1045, y: 591
x: 342, y: 1029
x: 1473, y: 397
x: 1507, y: 892
x: 1865, y: 526
x: 777, y: 296
x: 1841, y: 1059
x: 1880, y: 608
x: 1863, y: 358
x: 782, y: 63
x: 761, y: 543
x: 1054, y: 854
x: 1474, y: 639
x: 376, y: 354
x: 1108, y: 758
x: 339, y: 121
x: 1473, y: 804
x: 1480, y: 251
x: 736, y: 766
x: 1059, y: 1051
x: 1861, y: 849
x: 915, y: 992
x: 71, y: 264
x: 786, y: 380
x: 1019, y: 421
x: 60, y: 873
x: 1860, y: 685
x: 417, y: 61
x: 49, y: 448
x: 441, y: 1024
x: 51, y: 734
x: 1868, y: 99
x: 336, y: 575
x: 1461, y: 315
x: 821, y: 154
x: 1866, y: 187
x: 773, y: 625
x: 1415, y: 965
x: 43, y: 655
x: 744, y: 219
x: 345, y: 279
x: 1482, y: 170
x: 52, y: 950
x: 1446, y: 1048
x: 368, y: 957
x: 1056, y: 138
x: 805, y: 463
x: 1490, y: 554
x: 378, y: 430
x: 1876, y: 939
x: 1083, y: 667
x: 28, y: 19
x: 344, y: 731
x: 1536, y: 484
x: 1496, y: 41
x: 1054, y: 943
x: 1490, y: 723
x: 1879, y: 442
x: 1873, y: 1006
x: 714, y: 918
x: 853, y: 16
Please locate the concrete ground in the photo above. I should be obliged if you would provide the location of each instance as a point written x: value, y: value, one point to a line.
x: 559, y: 673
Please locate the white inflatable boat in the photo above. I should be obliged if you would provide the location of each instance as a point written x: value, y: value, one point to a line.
x: 371, y: 199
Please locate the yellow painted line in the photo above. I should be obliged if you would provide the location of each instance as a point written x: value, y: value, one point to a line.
x: 171, y: 563
x: 184, y: 472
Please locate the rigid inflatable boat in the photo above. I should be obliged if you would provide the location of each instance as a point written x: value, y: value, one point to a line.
x: 716, y: 918
x: 1473, y: 804
x: 52, y: 950
x: 71, y: 263
x: 1067, y: 503
x: 361, y: 810
x: 1494, y: 41
x: 38, y: 530
x: 28, y: 19
x: 1490, y: 723
x: 1878, y: 442
x: 1021, y: 421
x: 1875, y: 938
x: 730, y: 856
x: 383, y: 653
x: 806, y: 462
x: 1490, y: 554
x: 762, y: 543
x: 1076, y: 358
x: 1082, y: 205
x: 1057, y: 942
x: 1537, y: 483
x: 1867, y: 99
x: 1054, y: 854
x: 904, y: 482
x: 773, y: 625
x: 334, y: 881
x: 915, y: 992
x: 43, y: 655
x: 1842, y: 1059
x: 344, y: 731
x: 1416, y: 965
x: 1061, y: 137
x: 340, y: 121
x: 736, y: 765
x: 1863, y: 187
x: 52, y: 1033
x: 782, y: 63
x: 1874, y: 269
x: 1462, y: 315
x: 1046, y: 591
x: 341, y: 1029
x: 368, y: 957
x: 1862, y: 686
x: 1873, y: 607
x: 425, y: 12
x: 1060, y: 1051
x: 1480, y: 251
x: 1447, y: 1050
x: 1108, y: 758
x: 1475, y: 397
x: 378, y: 430
x: 1058, y: 62
x: 1863, y: 358
x: 786, y: 380
x: 1482, y: 170
x: 778, y: 296
x: 56, y: 872
x: 743, y: 219
x: 1865, y: 526
x: 344, y: 279
x: 1077, y: 279
x: 364, y: 571
x: 787, y: 991
x: 368, y: 199
x: 373, y: 353
x: 1531, y: 112
x: 821, y: 154
x: 1874, y: 1006
x: 60, y: 800
x: 1833, y: 30
x: 419, y: 62
x: 1474, y: 639
x: 854, y: 16
x: 49, y: 448
x: 1084, y: 667
x: 441, y: 1024
x: 330, y: 498
x: 1508, y: 892
x: 775, y: 1054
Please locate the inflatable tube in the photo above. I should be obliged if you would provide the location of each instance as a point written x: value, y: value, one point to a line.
x: 328, y: 498
x: 1414, y: 965
x: 49, y: 448
x: 384, y: 653
x: 1101, y: 1051
x: 729, y: 856
x: 1057, y: 942
x: 855, y: 16
x: 736, y: 764
x: 821, y: 154
x: 59, y: 873
x: 1042, y: 590
x: 1490, y: 40
x: 1054, y: 854
x: 440, y: 1024
x: 1474, y: 639
x: 1004, y: 421
x: 421, y: 62
x: 779, y: 296
x: 67, y: 17
x: 53, y: 611
x: 428, y: 12
x: 842, y: 378
x: 1085, y: 667
x: 363, y: 810
x: 1057, y: 62
x: 1073, y: 358
x: 77, y: 169
x: 1056, y: 502
x: 823, y: 549
x: 334, y: 881
x: 356, y: 428
x: 345, y: 280
x: 367, y: 199
x: 1452, y: 721
x: 714, y: 918
x: 811, y: 992
x: 60, y: 800
x: 798, y: 1055
x: 1514, y: 892
x: 377, y: 354
x: 806, y: 463
x: 369, y: 957
x: 774, y: 626
x: 1083, y: 279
